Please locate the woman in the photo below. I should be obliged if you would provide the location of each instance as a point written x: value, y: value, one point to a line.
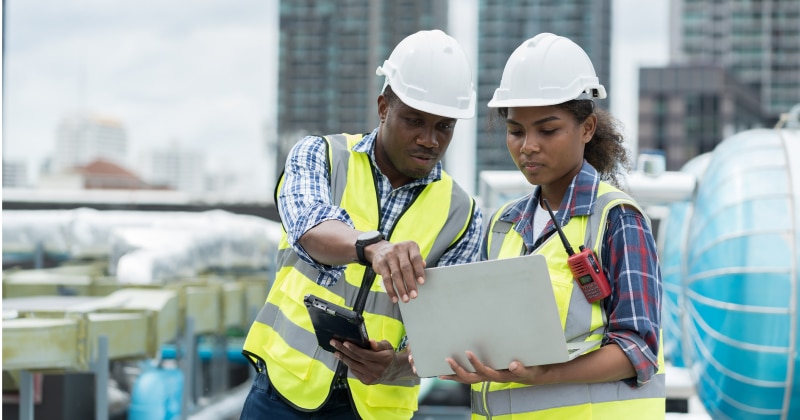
x: 572, y: 152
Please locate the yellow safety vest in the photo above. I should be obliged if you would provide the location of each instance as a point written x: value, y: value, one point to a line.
x: 581, y: 321
x: 282, y: 334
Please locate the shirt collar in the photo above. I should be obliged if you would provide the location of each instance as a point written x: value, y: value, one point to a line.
x: 367, y: 145
x: 579, y: 200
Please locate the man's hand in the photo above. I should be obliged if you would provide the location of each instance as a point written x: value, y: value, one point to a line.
x: 400, y: 265
x: 373, y: 365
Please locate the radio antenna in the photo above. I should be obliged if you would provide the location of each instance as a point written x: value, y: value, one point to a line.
x: 558, y: 228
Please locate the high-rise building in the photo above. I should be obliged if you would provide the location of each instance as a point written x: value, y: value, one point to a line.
x: 81, y: 139
x: 757, y: 41
x: 503, y: 25
x: 734, y: 65
x: 686, y: 111
x: 329, y: 50
x: 15, y: 174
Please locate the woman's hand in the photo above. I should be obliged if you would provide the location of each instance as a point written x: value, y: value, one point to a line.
x: 516, y: 372
x: 606, y: 364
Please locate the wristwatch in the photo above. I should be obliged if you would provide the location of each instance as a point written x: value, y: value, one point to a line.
x: 364, y: 240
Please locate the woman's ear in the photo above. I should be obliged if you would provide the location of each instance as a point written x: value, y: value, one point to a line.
x: 588, y: 128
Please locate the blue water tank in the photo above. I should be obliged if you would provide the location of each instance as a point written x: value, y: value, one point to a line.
x: 673, y: 231
x: 741, y: 288
x: 157, y: 395
x: 672, y: 254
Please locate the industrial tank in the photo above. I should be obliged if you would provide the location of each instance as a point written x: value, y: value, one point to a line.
x: 672, y: 252
x: 741, y: 286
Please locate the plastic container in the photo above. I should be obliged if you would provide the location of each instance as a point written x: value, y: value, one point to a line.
x: 157, y: 394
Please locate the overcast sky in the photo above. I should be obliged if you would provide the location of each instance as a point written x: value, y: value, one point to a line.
x: 640, y: 38
x: 198, y: 73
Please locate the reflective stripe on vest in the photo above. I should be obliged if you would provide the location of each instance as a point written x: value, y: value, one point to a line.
x: 581, y: 322
x: 528, y: 399
x: 282, y: 334
x: 374, y: 300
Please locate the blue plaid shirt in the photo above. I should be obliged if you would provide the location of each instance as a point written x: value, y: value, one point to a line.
x: 630, y: 261
x: 305, y: 202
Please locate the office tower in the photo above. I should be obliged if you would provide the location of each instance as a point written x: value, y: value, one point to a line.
x: 735, y: 65
x: 504, y: 25
x: 177, y: 168
x: 686, y: 111
x: 757, y: 41
x: 328, y: 53
x: 15, y: 174
x: 81, y: 139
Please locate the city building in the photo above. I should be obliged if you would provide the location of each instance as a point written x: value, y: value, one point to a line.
x: 175, y: 167
x: 328, y: 53
x: 81, y: 139
x: 503, y: 25
x: 99, y: 174
x: 734, y: 65
x: 685, y: 111
x: 757, y: 41
x: 15, y: 174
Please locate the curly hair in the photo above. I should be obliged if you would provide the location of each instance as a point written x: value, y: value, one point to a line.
x: 606, y: 151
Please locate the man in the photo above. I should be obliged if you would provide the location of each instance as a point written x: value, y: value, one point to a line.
x: 352, y: 201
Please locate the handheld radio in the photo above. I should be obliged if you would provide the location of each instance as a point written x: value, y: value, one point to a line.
x: 584, y: 267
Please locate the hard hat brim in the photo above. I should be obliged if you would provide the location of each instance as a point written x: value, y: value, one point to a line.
x: 501, y: 98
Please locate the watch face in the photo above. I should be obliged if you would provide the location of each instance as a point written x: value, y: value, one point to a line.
x: 370, y: 237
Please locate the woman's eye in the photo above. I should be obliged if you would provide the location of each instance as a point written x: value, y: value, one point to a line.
x: 514, y: 132
x: 547, y: 132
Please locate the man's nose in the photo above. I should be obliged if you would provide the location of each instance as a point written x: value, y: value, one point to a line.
x: 427, y: 138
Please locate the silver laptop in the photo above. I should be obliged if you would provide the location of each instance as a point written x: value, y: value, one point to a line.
x: 501, y: 310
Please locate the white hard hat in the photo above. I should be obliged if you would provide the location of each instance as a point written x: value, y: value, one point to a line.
x: 429, y: 71
x: 547, y: 70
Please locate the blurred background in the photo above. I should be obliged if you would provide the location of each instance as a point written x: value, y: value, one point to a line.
x: 141, y: 142
x: 206, y: 97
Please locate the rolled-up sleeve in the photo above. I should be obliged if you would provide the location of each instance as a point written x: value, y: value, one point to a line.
x: 634, y: 307
x: 304, y: 201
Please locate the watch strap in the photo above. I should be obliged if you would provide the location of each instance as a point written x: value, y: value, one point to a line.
x: 362, y: 259
x: 363, y: 243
